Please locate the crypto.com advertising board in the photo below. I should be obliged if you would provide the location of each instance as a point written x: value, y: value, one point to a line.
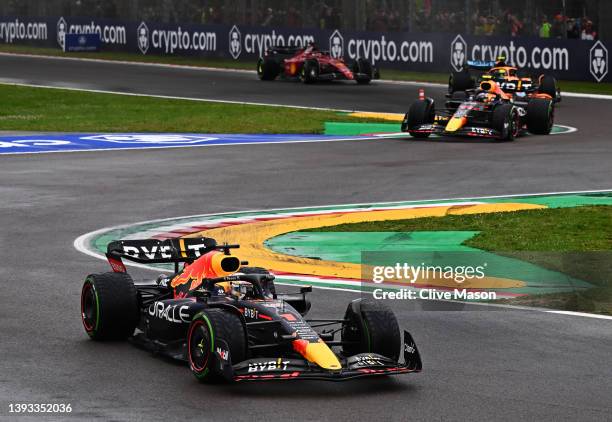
x: 440, y: 52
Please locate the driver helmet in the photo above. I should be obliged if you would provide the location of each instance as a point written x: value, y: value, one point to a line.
x: 498, y: 73
x: 310, y: 48
x: 241, y: 289
x: 500, y: 61
x: 163, y: 280
x: 483, y: 97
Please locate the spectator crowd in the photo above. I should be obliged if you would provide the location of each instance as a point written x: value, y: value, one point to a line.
x: 543, y: 18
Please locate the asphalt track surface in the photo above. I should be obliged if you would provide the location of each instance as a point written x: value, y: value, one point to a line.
x: 478, y: 364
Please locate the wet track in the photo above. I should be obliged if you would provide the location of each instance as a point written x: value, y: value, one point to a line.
x: 478, y: 364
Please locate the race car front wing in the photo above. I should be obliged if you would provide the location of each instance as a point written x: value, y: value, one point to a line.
x: 357, y: 366
x: 468, y: 131
x: 332, y: 76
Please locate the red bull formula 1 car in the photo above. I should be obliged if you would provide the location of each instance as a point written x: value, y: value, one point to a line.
x: 487, y: 112
x: 311, y: 65
x: 227, y: 321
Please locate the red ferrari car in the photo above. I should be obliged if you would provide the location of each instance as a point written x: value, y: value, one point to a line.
x: 311, y: 65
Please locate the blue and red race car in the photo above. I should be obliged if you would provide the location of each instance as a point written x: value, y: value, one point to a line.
x: 486, y: 112
x: 228, y: 322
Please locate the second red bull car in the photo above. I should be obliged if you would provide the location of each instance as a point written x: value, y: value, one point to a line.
x: 311, y: 65
x: 486, y: 112
x: 228, y: 322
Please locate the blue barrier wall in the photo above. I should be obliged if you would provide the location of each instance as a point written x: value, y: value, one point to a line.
x: 440, y: 52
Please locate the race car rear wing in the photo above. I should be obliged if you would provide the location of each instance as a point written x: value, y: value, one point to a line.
x: 480, y: 64
x: 153, y: 251
x: 285, y: 49
x: 483, y: 66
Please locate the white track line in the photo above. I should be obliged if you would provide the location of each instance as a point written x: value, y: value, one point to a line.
x: 81, y: 243
x: 358, y: 204
x: 582, y: 95
x: 130, y: 63
x: 244, y: 71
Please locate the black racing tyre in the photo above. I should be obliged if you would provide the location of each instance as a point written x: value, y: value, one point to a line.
x: 364, y: 67
x: 548, y: 85
x: 203, y: 338
x: 267, y: 69
x: 420, y: 112
x: 540, y: 116
x: 310, y: 71
x: 370, y: 327
x: 109, y: 306
x: 460, y: 81
x: 505, y: 119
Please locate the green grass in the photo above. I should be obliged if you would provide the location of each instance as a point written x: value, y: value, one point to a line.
x: 575, y: 241
x: 581, y: 229
x: 391, y: 74
x: 45, y: 109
